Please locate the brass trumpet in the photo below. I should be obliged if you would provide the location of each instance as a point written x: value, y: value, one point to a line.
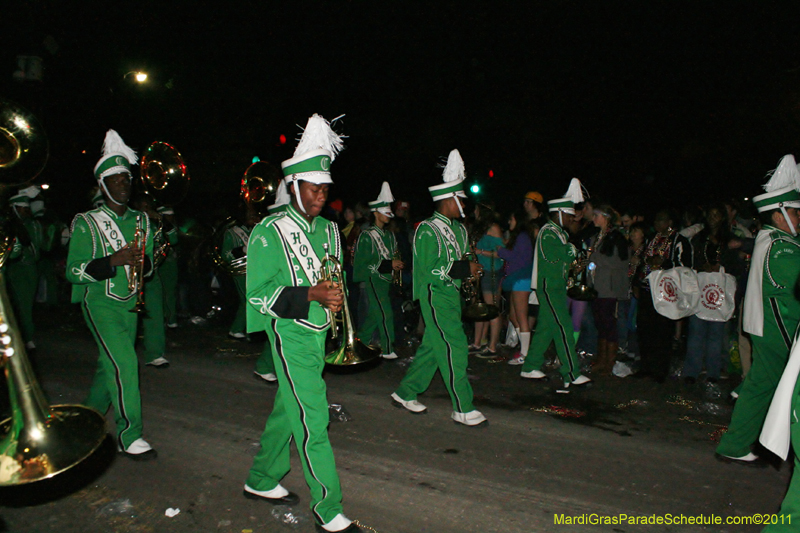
x: 136, y: 271
x: 476, y: 308
x: 578, y: 286
x: 351, y: 351
x: 397, y: 276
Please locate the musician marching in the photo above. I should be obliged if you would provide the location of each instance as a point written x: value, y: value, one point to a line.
x: 440, y: 245
x: 102, y: 258
x: 551, y: 262
x: 374, y: 264
x: 287, y: 299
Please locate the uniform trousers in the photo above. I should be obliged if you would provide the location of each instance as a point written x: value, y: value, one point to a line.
x: 443, y: 348
x: 554, y: 325
x: 116, y: 381
x: 154, y: 337
x: 300, y: 412
x: 169, y: 279
x: 770, y: 354
x: 23, y: 280
x: 380, y: 316
x: 239, y: 324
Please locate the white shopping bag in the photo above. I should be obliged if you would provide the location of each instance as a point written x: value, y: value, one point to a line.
x: 717, y: 291
x: 675, y: 292
x: 512, y: 337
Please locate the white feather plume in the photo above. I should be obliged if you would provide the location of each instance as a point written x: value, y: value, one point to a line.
x: 386, y: 193
x: 281, y: 195
x: 113, y: 144
x: 454, y: 169
x: 785, y: 175
x: 576, y: 191
x: 319, y: 134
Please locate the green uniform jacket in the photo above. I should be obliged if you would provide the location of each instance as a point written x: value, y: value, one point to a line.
x: 438, y: 256
x: 368, y: 259
x: 28, y: 254
x: 90, y: 247
x: 234, y: 242
x: 781, y: 273
x: 286, y: 268
x: 552, y: 257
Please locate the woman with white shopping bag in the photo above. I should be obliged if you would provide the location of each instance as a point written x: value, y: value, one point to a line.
x: 706, y: 333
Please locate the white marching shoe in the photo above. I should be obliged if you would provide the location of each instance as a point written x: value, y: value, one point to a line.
x: 140, y: 450
x: 269, y: 377
x: 389, y: 355
x: 413, y: 405
x: 533, y: 374
x: 473, y: 418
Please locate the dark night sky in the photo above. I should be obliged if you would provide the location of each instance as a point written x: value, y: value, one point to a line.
x: 641, y: 100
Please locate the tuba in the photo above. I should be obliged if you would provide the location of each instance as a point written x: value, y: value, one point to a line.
x: 39, y: 440
x: 164, y: 177
x: 475, y: 308
x: 259, y: 185
x: 351, y: 351
x: 234, y: 267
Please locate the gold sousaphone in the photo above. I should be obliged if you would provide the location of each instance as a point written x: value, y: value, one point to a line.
x: 39, y: 440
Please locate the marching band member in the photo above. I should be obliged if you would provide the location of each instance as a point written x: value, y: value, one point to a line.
x: 553, y: 256
x: 771, y: 308
x: 373, y: 264
x: 288, y: 300
x: 234, y: 246
x: 102, y: 255
x: 154, y: 336
x: 440, y: 243
x: 265, y: 365
x: 23, y: 277
x: 169, y: 267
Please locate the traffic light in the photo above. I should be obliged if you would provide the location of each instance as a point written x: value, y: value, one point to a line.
x: 475, y: 188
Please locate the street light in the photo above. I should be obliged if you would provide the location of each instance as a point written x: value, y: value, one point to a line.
x: 138, y: 75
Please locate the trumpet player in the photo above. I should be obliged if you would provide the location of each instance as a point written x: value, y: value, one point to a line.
x: 374, y: 264
x: 440, y: 245
x: 552, y: 257
x: 288, y: 299
x: 103, y: 256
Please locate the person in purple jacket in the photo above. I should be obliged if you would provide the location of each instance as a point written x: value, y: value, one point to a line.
x: 518, y: 256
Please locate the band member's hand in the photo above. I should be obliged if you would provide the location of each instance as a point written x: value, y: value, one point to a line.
x: 328, y: 294
x: 475, y: 269
x: 127, y: 255
x: 398, y: 264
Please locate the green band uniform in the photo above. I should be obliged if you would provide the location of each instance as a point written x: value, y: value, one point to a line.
x: 283, y: 258
x: 439, y: 245
x: 102, y: 291
x: 372, y: 264
x: 552, y: 258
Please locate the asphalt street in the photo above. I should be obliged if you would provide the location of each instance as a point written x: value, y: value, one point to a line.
x: 621, y: 448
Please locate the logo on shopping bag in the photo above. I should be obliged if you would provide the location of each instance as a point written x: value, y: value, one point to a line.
x: 668, y: 289
x: 712, y: 296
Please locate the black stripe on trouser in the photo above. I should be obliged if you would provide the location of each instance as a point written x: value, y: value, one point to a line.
x: 564, y: 339
x: 383, y: 315
x: 306, y: 436
x: 120, y: 398
x: 779, y: 321
x: 449, y: 350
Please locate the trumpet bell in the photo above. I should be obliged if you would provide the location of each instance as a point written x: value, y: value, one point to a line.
x: 481, y: 312
x: 352, y: 354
